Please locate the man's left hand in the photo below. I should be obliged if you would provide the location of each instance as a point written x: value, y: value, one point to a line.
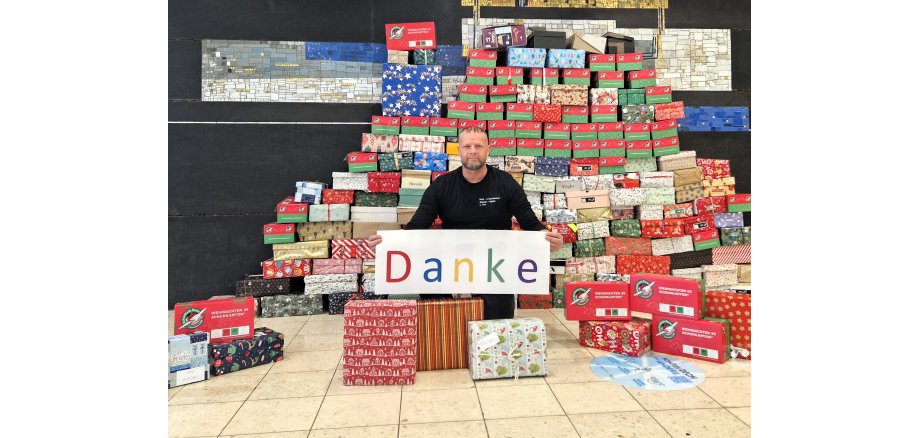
x: 555, y: 240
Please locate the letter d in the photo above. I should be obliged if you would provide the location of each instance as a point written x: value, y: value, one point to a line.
x: 390, y: 255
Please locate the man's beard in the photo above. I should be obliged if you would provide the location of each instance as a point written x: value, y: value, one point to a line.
x: 472, y: 166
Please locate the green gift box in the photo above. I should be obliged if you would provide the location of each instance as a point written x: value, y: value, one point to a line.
x: 483, y: 58
x: 565, y: 252
x: 648, y: 164
x: 395, y: 161
x: 626, y: 96
x: 641, y: 79
x: 423, y: 57
x: 410, y: 197
x: 519, y: 349
x: 638, y: 113
x: 500, y: 147
x: 524, y: 129
x: 385, y: 125
x: 626, y: 228
x: 417, y: 130
x: 559, y: 298
x: 658, y: 94
x: 574, y: 114
x: 367, y: 199
x: 612, y: 165
x: 629, y: 61
x: 475, y: 93
x: 490, y: 111
x: 461, y: 110
x: 612, y: 148
x: 664, y: 129
x: 519, y: 111
x: 557, y: 131
x: 610, y: 79
x: 530, y: 147
x: 665, y: 146
x: 589, y: 248
x: 732, y: 236
x: 501, y: 129
x: 738, y: 203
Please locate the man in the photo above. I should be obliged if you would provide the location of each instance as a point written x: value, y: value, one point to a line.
x: 478, y: 197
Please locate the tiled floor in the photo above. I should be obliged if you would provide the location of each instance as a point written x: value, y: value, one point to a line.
x: 303, y: 396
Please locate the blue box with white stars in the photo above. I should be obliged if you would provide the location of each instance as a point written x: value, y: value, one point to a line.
x: 411, y: 90
x: 715, y: 118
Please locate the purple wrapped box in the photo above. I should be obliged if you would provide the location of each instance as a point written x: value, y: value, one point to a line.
x: 725, y: 220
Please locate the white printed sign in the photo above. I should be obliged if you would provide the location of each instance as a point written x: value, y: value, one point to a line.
x: 462, y: 261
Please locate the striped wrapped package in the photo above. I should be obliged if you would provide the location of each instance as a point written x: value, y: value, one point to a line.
x: 442, y: 332
x: 731, y: 254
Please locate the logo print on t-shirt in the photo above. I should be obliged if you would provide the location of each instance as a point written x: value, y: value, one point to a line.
x: 488, y: 201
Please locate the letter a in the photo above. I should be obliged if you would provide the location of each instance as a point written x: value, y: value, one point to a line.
x: 390, y: 255
x: 436, y: 270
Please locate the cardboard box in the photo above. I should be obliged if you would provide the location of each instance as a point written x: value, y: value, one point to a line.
x: 500, y: 37
x: 557, y: 131
x: 602, y: 62
x: 558, y: 148
x: 611, y: 131
x: 499, y: 147
x: 289, y: 212
x: 519, y: 111
x: 544, y: 76
x: 618, y: 43
x: 637, y: 131
x: 411, y: 36
x: 188, y: 359
x: 530, y: 147
x: 576, y: 76
x: 483, y: 58
x: 658, y: 94
x: 631, y: 338
x: 443, y: 126
x: 278, y: 233
x: 612, y: 165
x: 587, y: 43
x: 541, y: 38
x: 526, y: 57
x: 738, y: 203
x: 584, y: 131
x: 416, y: 179
x: 547, y: 113
x: 462, y: 110
x: 698, y: 339
x: 629, y: 61
x: 380, y: 342
x: 665, y: 146
x: 416, y: 89
x: 364, y: 230
x: 610, y: 80
x: 223, y: 319
x: 641, y: 79
x: 575, y: 114
x: 286, y: 268
x: 385, y: 125
x: 415, y: 125
x: 638, y: 149
x: 565, y: 58
x: 490, y: 111
x: 598, y: 301
x: 471, y: 93
x: 587, y: 199
x: 524, y: 129
x: 503, y: 93
x: 480, y: 76
x: 604, y: 113
x: 501, y: 129
x: 509, y: 75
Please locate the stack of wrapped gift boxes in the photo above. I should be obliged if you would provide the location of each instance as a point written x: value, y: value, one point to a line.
x: 218, y: 336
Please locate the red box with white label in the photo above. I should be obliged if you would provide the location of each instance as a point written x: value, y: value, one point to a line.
x: 576, y: 73
x: 411, y: 36
x: 695, y: 224
x: 597, y: 301
x: 481, y: 124
x: 584, y: 166
x: 224, y: 319
x: 698, y: 339
x: 666, y: 295
x: 481, y: 90
x: 415, y: 121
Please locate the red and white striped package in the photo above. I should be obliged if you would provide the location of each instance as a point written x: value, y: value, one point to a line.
x: 351, y: 249
x: 731, y: 254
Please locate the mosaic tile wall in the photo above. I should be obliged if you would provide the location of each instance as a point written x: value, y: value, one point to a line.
x: 635, y: 4
x: 715, y: 118
x: 688, y: 59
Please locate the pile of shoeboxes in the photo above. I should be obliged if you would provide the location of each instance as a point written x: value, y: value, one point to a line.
x: 218, y: 336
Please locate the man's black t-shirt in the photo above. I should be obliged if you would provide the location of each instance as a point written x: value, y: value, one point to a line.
x: 486, y: 205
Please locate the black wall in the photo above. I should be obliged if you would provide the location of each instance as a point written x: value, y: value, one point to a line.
x: 224, y: 180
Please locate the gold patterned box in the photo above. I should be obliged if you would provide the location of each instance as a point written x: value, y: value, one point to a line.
x: 314, y: 249
x: 687, y: 176
x: 515, y: 163
x: 576, y: 95
x: 593, y: 230
x: 518, y: 176
x: 680, y: 160
x: 324, y: 231
x: 744, y: 273
x: 688, y: 193
x: 594, y: 214
x: 720, y: 275
x: 672, y: 245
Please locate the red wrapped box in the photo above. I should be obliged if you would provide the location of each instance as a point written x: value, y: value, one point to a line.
x: 576, y: 73
x: 549, y: 72
x: 435, y: 175
x: 225, y: 319
x: 568, y: 234
x: 632, y: 128
x: 698, y: 339
x: 482, y: 75
x: 663, y: 228
x: 351, y: 249
x: 385, y: 125
x: 736, y: 308
x: 713, y: 168
x: 380, y: 342
x: 503, y: 90
x: 535, y: 301
x: 669, y: 111
x: 693, y: 224
x: 411, y: 36
x: 478, y: 90
x: 531, y: 144
x: 584, y: 166
x: 491, y: 109
x: 557, y: 131
x: 547, y: 113
x: 504, y: 75
x: 286, y: 268
x: 481, y: 124
x: 383, y: 182
x: 626, y: 180
x: 627, y: 246
x: 731, y: 254
x: 562, y: 145
x: 338, y: 266
x: 637, y: 264
x: 711, y: 205
x: 632, y: 338
x: 666, y: 295
x: 415, y: 121
x: 597, y: 300
x: 639, y: 149
x: 332, y: 196
x: 678, y: 211
x: 486, y: 55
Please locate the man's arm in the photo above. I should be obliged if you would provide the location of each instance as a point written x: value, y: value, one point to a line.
x: 427, y: 209
x: 520, y: 207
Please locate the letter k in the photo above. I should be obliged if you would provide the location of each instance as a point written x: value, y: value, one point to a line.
x: 492, y: 269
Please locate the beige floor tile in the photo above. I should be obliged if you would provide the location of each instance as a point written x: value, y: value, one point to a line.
x: 518, y: 401
x: 521, y: 381
x: 558, y: 312
x: 390, y: 431
x: 200, y: 420
x: 323, y: 327
x: 570, y: 371
x: 567, y: 349
x: 618, y: 424
x: 557, y: 332
x: 358, y: 410
x: 548, y: 427
x: 456, y: 429
x: 337, y: 387
x: 543, y: 314
x: 314, y: 342
x: 216, y: 390
x: 291, y: 385
x: 691, y: 398
x: 593, y: 398
x: 744, y: 414
x: 260, y: 370
x: 702, y: 423
x: 728, y: 391
x: 441, y: 379
x: 440, y: 405
x: 597, y: 353
x: 289, y: 330
x: 298, y: 361
x: 268, y: 322
x: 297, y: 434
x: 174, y: 391
x: 327, y: 317
x: 278, y: 415
x: 731, y: 368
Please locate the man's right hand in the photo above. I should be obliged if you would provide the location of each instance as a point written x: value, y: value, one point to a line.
x: 374, y: 240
